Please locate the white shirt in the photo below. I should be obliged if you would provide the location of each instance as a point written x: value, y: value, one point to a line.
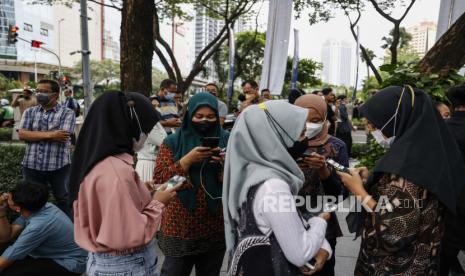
x: 154, y: 139
x: 274, y: 209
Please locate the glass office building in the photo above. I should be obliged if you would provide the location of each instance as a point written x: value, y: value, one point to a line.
x: 7, y: 17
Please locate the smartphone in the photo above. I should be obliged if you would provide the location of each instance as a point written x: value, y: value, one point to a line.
x: 311, y: 264
x: 175, y: 181
x: 210, y: 142
x: 309, y: 152
x: 329, y: 207
x: 337, y: 166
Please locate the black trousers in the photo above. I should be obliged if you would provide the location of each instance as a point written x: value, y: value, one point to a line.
x: 58, y: 180
x: 207, y: 264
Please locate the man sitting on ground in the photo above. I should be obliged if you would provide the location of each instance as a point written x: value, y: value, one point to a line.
x: 44, y: 235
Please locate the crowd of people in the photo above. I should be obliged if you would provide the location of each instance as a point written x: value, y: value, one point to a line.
x: 157, y: 171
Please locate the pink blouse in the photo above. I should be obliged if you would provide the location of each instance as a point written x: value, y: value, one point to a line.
x: 114, y: 211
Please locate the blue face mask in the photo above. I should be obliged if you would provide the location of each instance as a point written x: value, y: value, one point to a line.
x: 170, y: 96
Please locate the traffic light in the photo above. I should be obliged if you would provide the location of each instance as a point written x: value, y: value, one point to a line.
x: 12, y: 34
x: 36, y: 43
x: 66, y: 80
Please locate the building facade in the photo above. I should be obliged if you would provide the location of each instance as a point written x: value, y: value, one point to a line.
x: 336, y: 57
x: 57, y: 27
x: 7, y: 18
x: 423, y: 36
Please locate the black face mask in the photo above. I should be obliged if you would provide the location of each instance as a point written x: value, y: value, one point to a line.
x: 204, y: 128
x: 298, y: 148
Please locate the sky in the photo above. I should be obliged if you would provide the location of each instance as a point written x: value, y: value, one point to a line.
x: 372, y: 28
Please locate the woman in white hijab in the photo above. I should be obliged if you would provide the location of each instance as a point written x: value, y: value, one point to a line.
x: 264, y: 232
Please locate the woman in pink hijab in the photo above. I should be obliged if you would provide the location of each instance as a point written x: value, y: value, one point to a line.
x: 319, y: 179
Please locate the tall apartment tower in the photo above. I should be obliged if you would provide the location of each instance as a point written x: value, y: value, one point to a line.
x: 336, y: 57
x: 206, y: 29
x: 423, y: 36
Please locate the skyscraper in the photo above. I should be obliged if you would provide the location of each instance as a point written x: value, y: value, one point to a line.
x: 449, y: 12
x: 423, y: 36
x: 206, y: 29
x: 336, y: 57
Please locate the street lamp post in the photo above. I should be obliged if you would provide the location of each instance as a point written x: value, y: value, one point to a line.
x: 85, y: 57
x: 59, y: 36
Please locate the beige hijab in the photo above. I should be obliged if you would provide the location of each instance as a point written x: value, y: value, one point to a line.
x: 317, y: 103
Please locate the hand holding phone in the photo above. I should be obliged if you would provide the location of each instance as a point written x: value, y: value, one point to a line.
x: 175, y: 182
x: 315, y: 160
x: 337, y: 166
x: 210, y: 142
x: 164, y: 195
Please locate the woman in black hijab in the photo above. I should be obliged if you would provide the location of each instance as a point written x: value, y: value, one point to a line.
x: 115, y: 217
x: 420, y: 174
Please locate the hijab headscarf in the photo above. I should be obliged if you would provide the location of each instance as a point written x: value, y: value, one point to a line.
x: 187, y: 138
x: 257, y: 152
x: 424, y: 152
x: 319, y: 105
x: 109, y: 129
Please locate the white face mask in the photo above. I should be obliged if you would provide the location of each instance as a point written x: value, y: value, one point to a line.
x: 381, y: 140
x: 313, y: 129
x: 137, y: 145
x: 379, y: 137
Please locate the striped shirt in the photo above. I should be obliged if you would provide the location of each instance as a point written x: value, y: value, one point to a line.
x: 47, y: 155
x: 168, y: 110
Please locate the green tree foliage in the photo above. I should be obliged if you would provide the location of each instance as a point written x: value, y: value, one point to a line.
x: 7, y: 84
x: 104, y: 72
x: 307, y: 70
x: 248, y: 59
x: 434, y: 84
x: 10, y: 165
x: 404, y: 39
x: 157, y: 77
x: 371, y: 154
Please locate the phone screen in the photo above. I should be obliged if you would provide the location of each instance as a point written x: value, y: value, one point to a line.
x: 210, y: 142
x: 175, y: 180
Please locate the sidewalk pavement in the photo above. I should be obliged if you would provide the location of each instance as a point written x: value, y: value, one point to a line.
x: 346, y: 252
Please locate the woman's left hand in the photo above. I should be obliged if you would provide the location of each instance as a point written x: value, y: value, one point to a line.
x: 218, y: 156
x: 353, y: 182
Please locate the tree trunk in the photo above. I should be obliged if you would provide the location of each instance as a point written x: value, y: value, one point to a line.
x: 448, y: 53
x: 395, y: 43
x: 137, y: 46
x: 371, y: 65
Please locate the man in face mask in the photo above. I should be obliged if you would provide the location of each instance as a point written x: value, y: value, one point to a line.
x: 46, y: 129
x: 168, y: 107
x: 24, y: 101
